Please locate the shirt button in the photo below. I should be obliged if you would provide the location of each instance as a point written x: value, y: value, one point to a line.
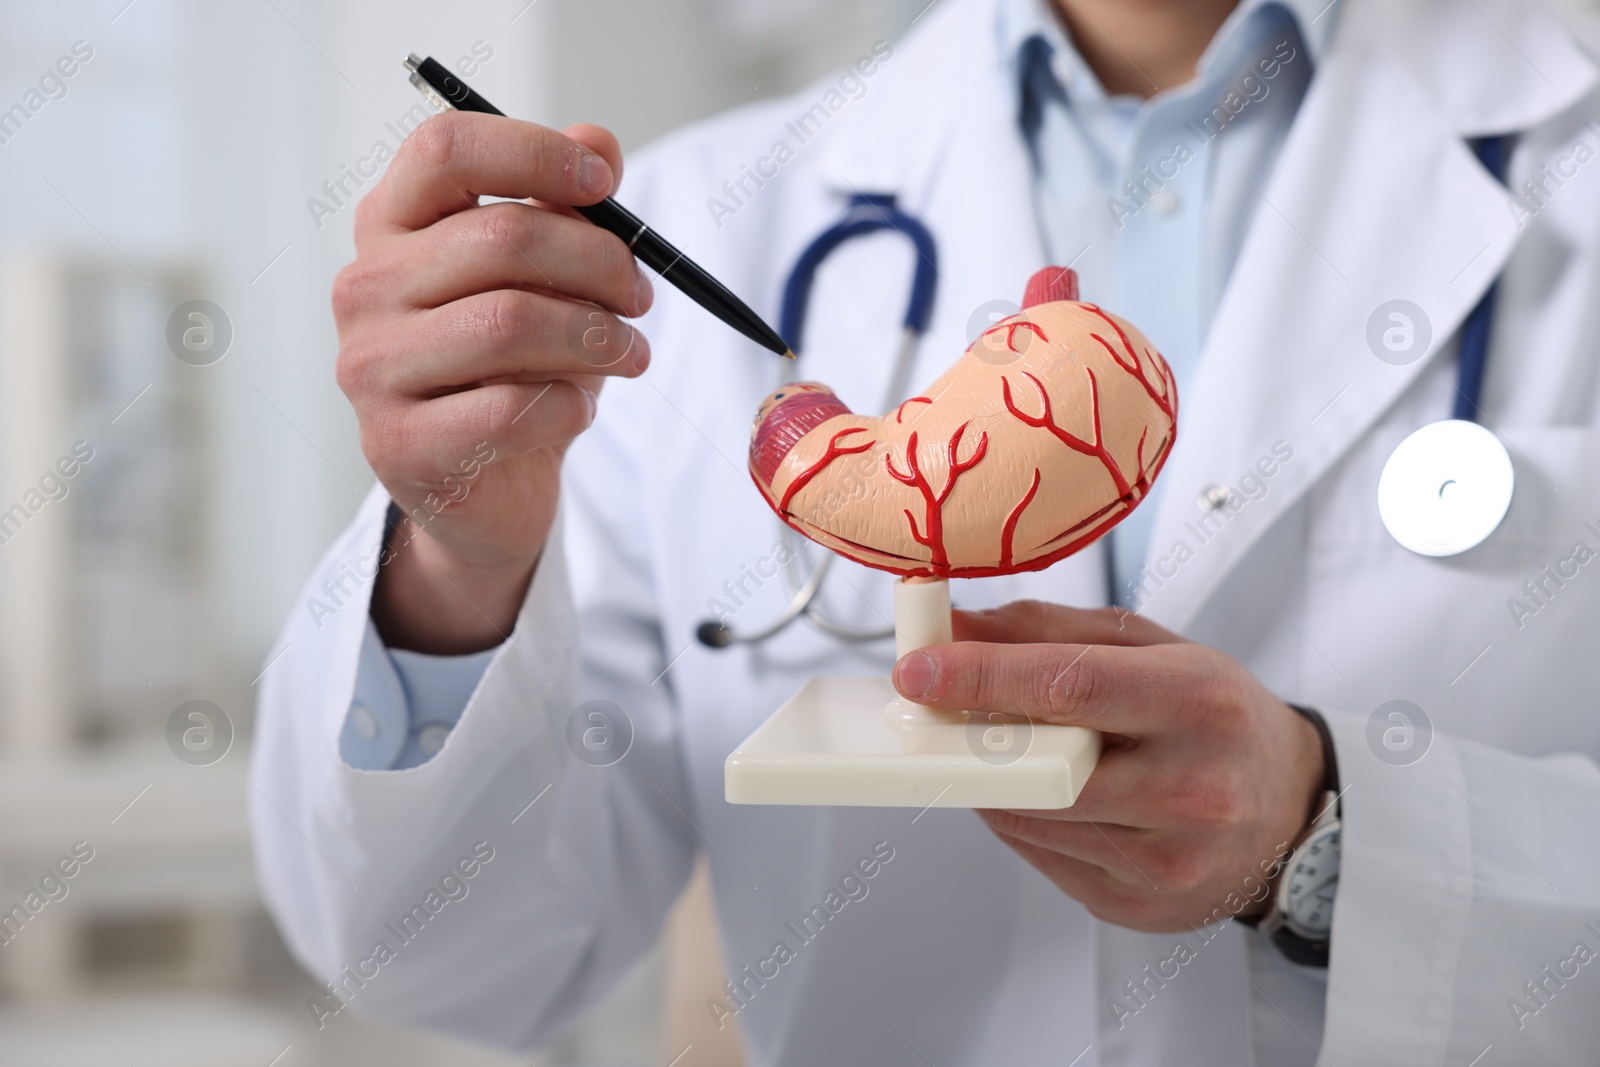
x: 1164, y: 201
x: 430, y: 738
x: 1213, y: 497
x: 365, y: 722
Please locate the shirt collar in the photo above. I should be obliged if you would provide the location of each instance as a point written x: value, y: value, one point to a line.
x: 1020, y: 20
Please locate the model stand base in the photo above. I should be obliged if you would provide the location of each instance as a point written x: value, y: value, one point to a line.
x: 855, y: 742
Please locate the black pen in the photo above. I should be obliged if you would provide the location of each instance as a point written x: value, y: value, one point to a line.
x: 446, y: 90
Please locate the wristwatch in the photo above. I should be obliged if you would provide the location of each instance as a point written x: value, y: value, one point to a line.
x: 1300, y: 918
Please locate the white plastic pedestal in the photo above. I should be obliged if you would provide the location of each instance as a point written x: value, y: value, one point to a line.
x: 854, y: 741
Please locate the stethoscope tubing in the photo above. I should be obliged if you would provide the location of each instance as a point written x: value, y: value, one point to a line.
x: 1494, y: 153
x: 868, y: 213
x: 1459, y: 456
x: 872, y: 213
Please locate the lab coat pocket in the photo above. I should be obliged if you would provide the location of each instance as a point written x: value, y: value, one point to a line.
x: 1557, y: 495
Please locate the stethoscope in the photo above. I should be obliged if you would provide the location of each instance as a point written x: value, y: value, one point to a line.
x: 868, y: 213
x: 1444, y: 489
x: 1448, y: 485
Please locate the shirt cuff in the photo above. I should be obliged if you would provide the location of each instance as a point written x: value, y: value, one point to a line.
x: 405, y: 704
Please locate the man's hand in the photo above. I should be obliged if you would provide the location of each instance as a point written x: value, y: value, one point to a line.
x: 472, y: 343
x: 1205, y: 780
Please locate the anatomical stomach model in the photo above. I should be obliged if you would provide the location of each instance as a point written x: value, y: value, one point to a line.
x: 1046, y: 433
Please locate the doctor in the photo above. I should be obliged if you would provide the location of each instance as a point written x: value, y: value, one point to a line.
x: 1255, y: 185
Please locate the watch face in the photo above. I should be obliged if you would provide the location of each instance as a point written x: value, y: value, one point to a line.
x: 1310, y: 884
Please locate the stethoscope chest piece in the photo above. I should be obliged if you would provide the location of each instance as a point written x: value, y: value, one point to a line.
x: 1445, y: 488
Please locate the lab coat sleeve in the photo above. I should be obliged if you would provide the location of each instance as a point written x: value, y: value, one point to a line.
x: 572, y: 864
x: 1464, y: 875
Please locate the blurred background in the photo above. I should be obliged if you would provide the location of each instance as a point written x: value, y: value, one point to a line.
x: 175, y: 455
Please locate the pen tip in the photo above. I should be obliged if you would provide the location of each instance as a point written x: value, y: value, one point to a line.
x: 788, y: 353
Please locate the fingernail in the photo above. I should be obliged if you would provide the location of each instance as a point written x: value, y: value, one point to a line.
x: 594, y: 173
x: 589, y: 398
x: 915, y: 674
x: 643, y: 291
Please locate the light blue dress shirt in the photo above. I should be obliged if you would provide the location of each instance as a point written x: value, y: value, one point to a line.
x: 405, y: 704
x: 1149, y: 200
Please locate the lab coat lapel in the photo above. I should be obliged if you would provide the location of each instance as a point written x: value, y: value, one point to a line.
x: 942, y: 137
x: 896, y: 143
x: 980, y: 203
x: 1375, y: 198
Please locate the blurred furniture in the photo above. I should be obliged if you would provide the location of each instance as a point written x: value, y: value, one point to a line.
x: 104, y: 630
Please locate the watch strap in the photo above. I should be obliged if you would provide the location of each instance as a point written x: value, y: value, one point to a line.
x: 1297, y: 949
x: 1330, y: 759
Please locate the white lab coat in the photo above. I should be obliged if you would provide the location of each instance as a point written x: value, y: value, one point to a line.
x: 1464, y: 874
